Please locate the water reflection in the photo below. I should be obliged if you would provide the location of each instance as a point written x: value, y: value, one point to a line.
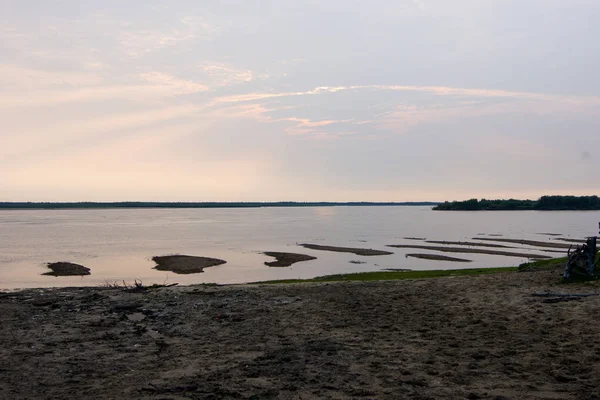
x: 118, y: 244
x: 325, y: 212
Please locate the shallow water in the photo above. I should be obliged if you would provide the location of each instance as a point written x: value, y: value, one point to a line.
x: 118, y: 244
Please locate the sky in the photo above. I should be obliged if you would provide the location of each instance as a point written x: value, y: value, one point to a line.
x: 304, y: 100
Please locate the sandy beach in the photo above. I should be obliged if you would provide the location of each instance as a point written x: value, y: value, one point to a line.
x: 475, y: 337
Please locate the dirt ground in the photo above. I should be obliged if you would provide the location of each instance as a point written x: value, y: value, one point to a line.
x: 473, y: 337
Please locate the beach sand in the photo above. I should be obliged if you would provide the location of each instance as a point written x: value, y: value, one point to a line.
x: 470, y: 337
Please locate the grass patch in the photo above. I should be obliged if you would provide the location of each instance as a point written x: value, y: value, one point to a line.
x: 393, y: 275
x: 543, y: 264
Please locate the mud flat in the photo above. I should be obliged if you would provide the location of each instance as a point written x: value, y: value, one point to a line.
x: 460, y: 337
x: 529, y: 242
x: 182, y: 264
x: 578, y: 241
x: 469, y: 244
x: 564, y: 251
x: 436, y: 257
x: 353, y: 250
x: 286, y: 259
x: 63, y: 268
x: 470, y: 250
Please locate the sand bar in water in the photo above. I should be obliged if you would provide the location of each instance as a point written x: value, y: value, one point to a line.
x: 353, y: 250
x: 469, y: 244
x: 286, y: 259
x: 578, y: 241
x: 181, y: 264
x: 63, y: 268
x: 437, y: 257
x: 529, y: 242
x: 470, y: 250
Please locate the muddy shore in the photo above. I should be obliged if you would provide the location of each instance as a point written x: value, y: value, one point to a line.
x: 475, y: 337
x: 470, y: 250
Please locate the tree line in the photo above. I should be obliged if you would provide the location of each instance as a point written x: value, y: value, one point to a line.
x: 543, y: 203
x: 143, y: 204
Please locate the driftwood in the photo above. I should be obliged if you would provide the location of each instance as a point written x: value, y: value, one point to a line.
x: 563, y: 297
x: 581, y: 263
x: 564, y: 294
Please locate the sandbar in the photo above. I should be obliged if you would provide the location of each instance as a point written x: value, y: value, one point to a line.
x: 63, y: 268
x: 182, y: 264
x: 536, y: 243
x: 437, y: 257
x: 470, y: 250
x: 353, y: 250
x: 578, y: 241
x: 469, y: 244
x: 286, y: 259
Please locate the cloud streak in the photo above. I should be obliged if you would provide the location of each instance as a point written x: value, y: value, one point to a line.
x: 38, y: 88
x: 435, y: 90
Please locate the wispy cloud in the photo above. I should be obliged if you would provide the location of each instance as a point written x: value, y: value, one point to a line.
x: 299, y: 126
x: 30, y: 78
x: 247, y: 97
x: 451, y: 103
x: 85, y: 130
x: 137, y: 42
x: 225, y: 75
x: 35, y: 88
x: 435, y: 90
x: 173, y: 84
x: 305, y: 126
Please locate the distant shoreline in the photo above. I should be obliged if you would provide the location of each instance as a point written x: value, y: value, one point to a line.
x: 150, y: 205
x: 544, y: 203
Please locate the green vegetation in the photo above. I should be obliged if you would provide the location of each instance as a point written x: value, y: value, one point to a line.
x: 393, y: 275
x: 543, y: 203
x: 144, y: 204
x: 543, y: 264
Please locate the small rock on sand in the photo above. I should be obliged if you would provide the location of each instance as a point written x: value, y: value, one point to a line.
x: 63, y: 268
x: 182, y: 264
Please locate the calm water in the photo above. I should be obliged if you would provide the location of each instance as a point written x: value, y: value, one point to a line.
x: 118, y: 244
